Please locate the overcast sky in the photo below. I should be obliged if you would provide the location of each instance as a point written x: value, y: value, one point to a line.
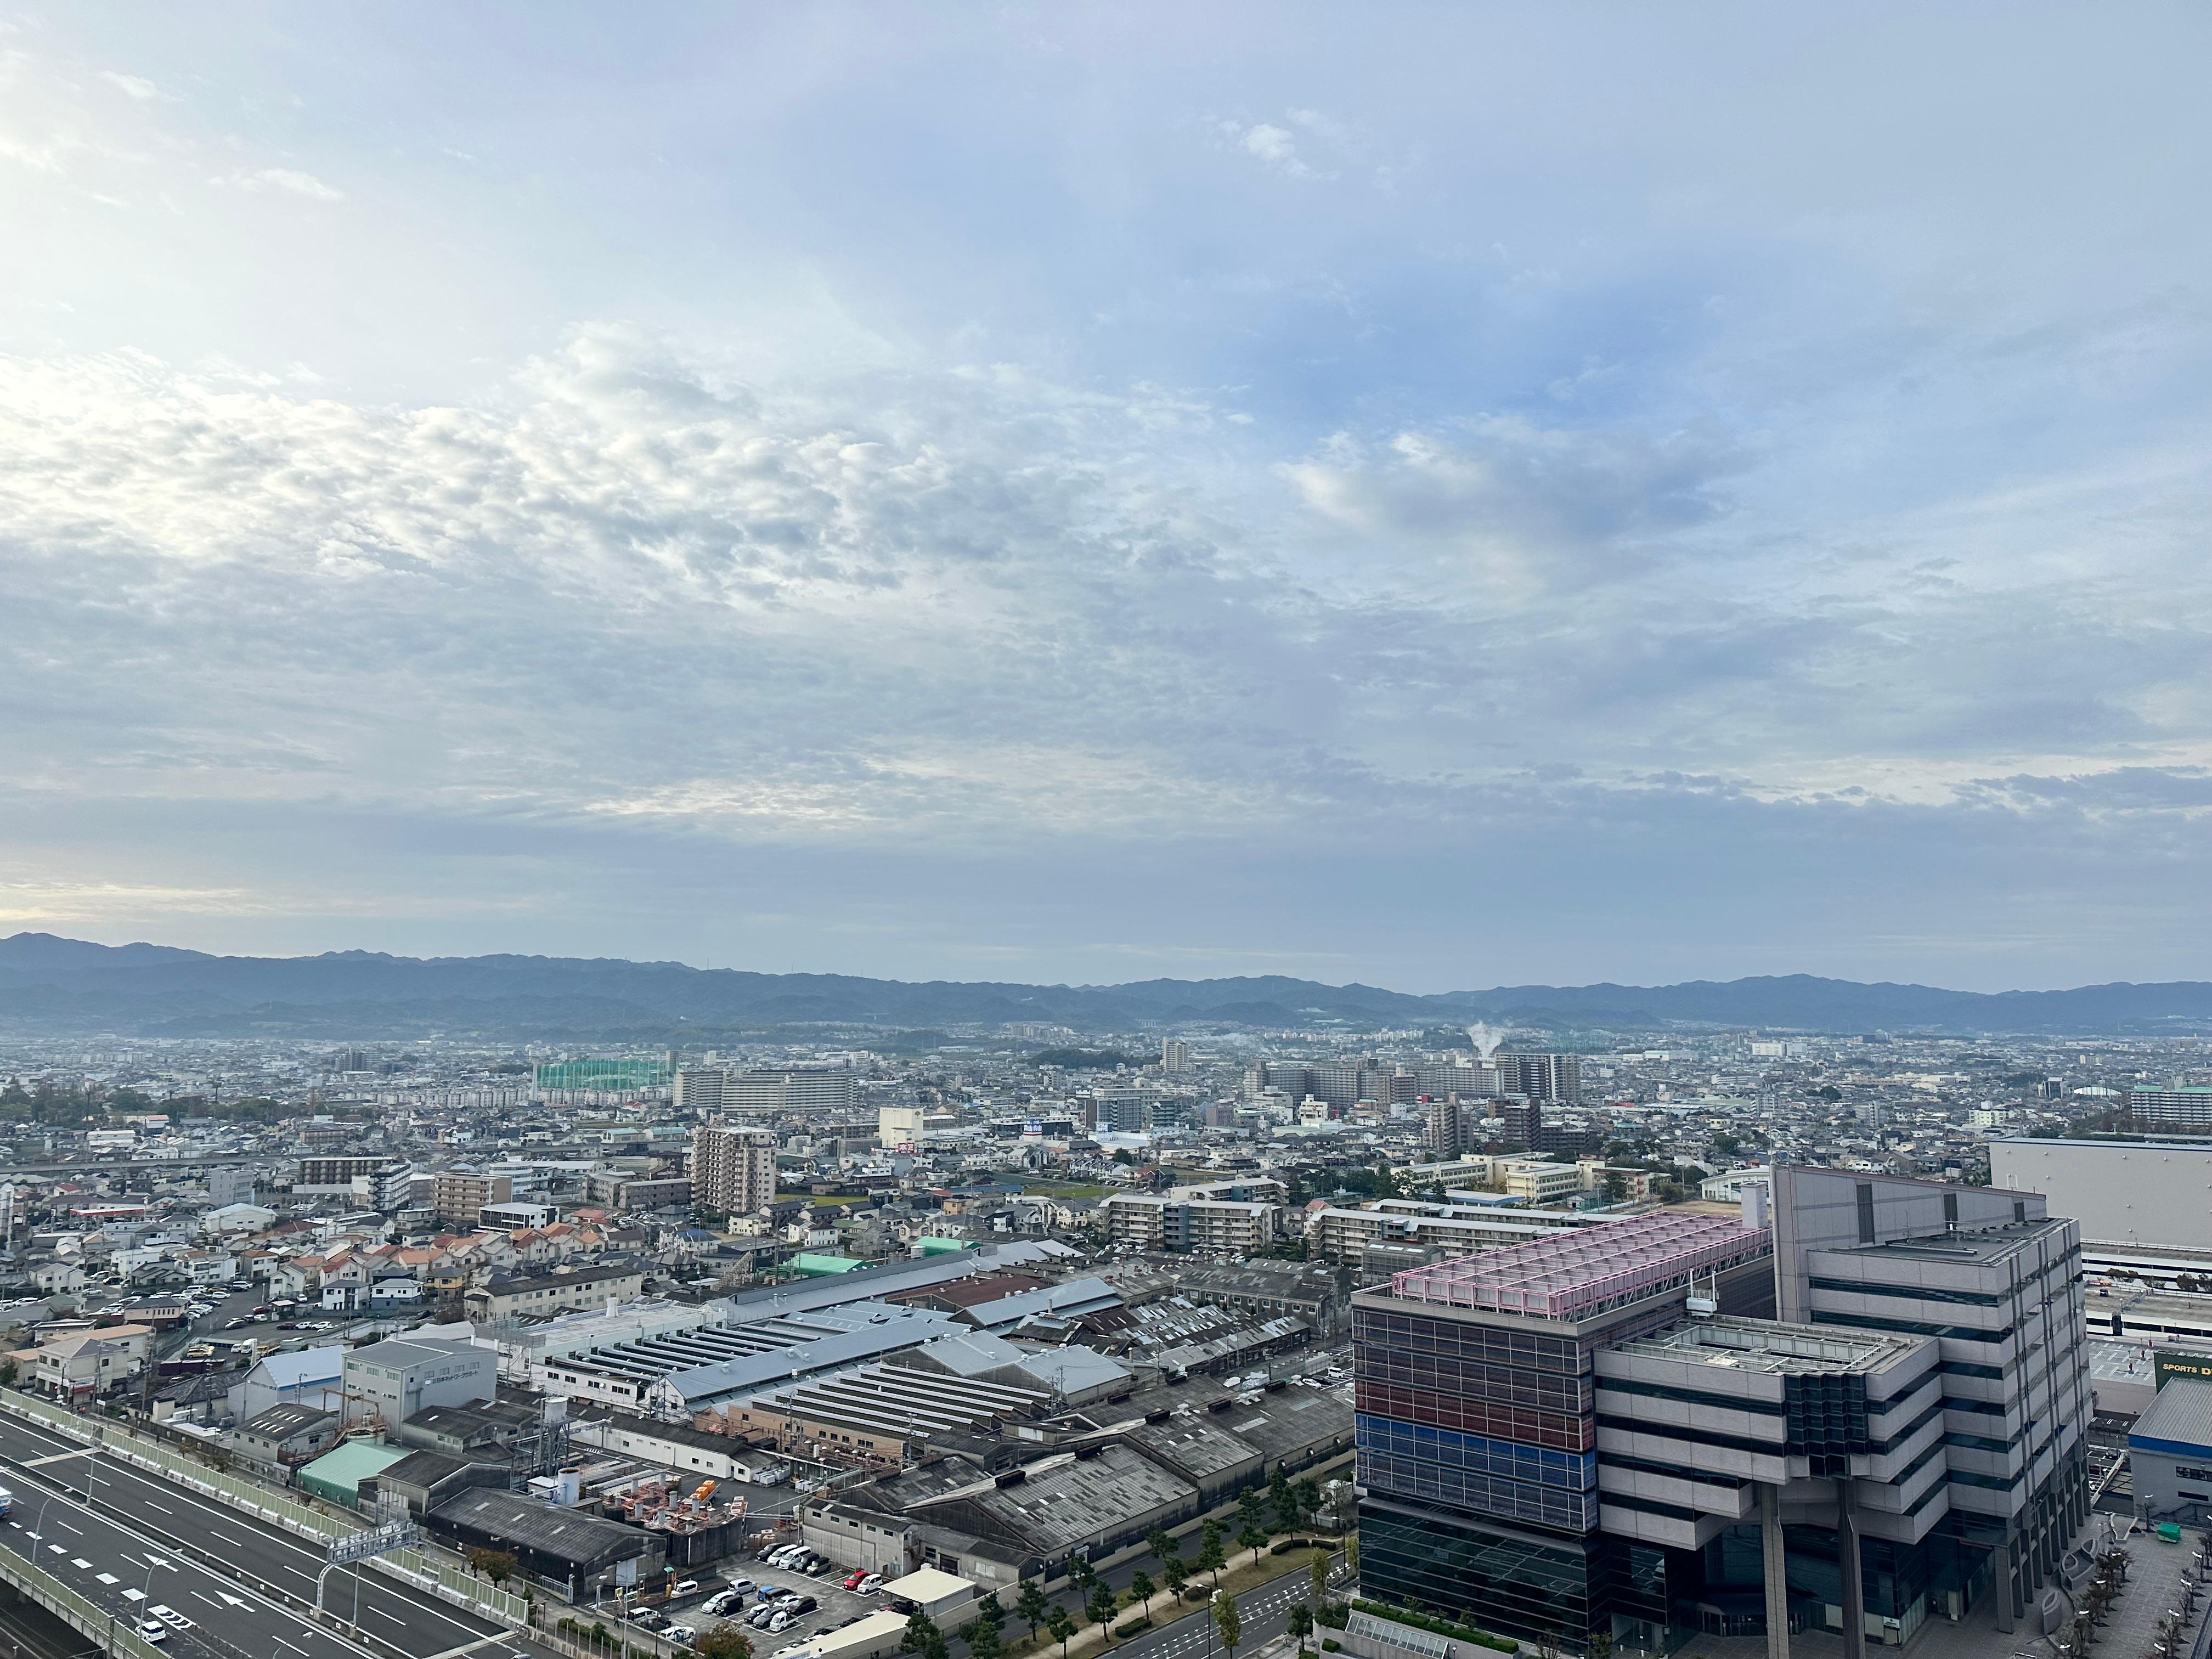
x: 1439, y: 496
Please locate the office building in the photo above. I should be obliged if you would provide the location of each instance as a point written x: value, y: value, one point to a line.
x: 1997, y: 1280
x: 2145, y: 1191
x: 1653, y: 1429
x: 732, y: 1169
x: 1477, y: 1419
x: 457, y: 1197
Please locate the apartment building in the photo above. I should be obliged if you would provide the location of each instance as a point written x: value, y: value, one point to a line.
x: 794, y: 1092
x: 458, y: 1196
x: 2184, y: 1107
x: 1181, y: 1225
x: 541, y: 1294
x: 732, y: 1169
x: 380, y: 1182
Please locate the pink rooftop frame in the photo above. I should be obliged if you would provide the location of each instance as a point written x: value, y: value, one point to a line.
x: 1583, y: 1270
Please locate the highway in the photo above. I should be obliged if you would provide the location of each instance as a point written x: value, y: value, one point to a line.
x: 143, y: 1547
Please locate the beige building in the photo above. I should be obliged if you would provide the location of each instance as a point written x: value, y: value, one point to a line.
x: 457, y: 1195
x: 732, y: 1169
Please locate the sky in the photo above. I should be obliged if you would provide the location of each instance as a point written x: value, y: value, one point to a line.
x: 1437, y: 495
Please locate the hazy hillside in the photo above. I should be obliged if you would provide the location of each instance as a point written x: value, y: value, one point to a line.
x: 67, y: 984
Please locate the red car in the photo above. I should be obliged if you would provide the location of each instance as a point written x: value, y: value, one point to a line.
x: 853, y: 1580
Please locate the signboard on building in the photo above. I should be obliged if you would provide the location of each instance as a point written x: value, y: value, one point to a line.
x: 2197, y: 1365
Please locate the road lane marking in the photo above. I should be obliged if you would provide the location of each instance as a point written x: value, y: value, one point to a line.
x: 80, y: 1562
x: 134, y: 1595
x: 393, y: 1617
x: 151, y: 1504
x: 108, y: 1578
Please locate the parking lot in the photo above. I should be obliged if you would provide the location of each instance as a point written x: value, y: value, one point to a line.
x: 834, y: 1606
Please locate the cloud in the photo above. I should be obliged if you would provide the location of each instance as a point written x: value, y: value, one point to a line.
x: 132, y: 86
x: 1274, y: 146
x: 290, y: 181
x: 1525, y: 505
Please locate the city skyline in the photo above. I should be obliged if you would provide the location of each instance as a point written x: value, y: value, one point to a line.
x: 1095, y: 494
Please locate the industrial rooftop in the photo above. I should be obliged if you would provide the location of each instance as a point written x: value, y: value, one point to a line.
x: 1578, y: 1273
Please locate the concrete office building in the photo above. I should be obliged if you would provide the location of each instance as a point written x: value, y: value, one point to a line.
x: 732, y: 1169
x: 1996, y: 1280
x: 2145, y: 1191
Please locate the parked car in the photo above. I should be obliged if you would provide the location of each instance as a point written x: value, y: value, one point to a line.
x: 870, y: 1584
x: 741, y: 1585
x: 685, y: 1587
x: 679, y: 1632
x: 720, y: 1602
x: 153, y: 1630
x: 778, y: 1622
x: 799, y: 1606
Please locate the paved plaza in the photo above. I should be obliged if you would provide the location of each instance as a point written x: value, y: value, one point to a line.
x: 2153, y: 1586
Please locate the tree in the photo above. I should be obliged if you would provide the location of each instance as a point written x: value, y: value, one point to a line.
x: 983, y: 1640
x: 1176, y: 1574
x: 1247, y: 1511
x: 920, y: 1630
x: 1031, y: 1606
x: 1352, y: 1552
x: 1317, y: 1575
x: 1300, y: 1622
x: 1285, y: 1501
x: 1102, y: 1605
x: 1141, y: 1587
x: 991, y: 1614
x: 1211, y: 1557
x: 1308, y: 1492
x: 726, y: 1640
x: 1251, y: 1538
x: 1226, y: 1621
x: 1162, y: 1545
x: 498, y: 1565
x: 1060, y: 1628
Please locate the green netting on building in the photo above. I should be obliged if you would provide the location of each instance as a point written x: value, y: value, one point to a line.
x: 603, y: 1074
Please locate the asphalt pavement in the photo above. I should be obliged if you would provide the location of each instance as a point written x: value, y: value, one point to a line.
x: 217, y: 1580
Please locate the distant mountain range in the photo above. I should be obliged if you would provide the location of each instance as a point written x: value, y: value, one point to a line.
x: 59, y: 986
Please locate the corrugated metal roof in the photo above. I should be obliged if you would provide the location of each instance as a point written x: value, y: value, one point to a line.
x: 2180, y: 1416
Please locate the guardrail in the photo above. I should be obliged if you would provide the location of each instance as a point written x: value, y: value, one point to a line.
x: 113, y: 1630
x: 447, y: 1581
